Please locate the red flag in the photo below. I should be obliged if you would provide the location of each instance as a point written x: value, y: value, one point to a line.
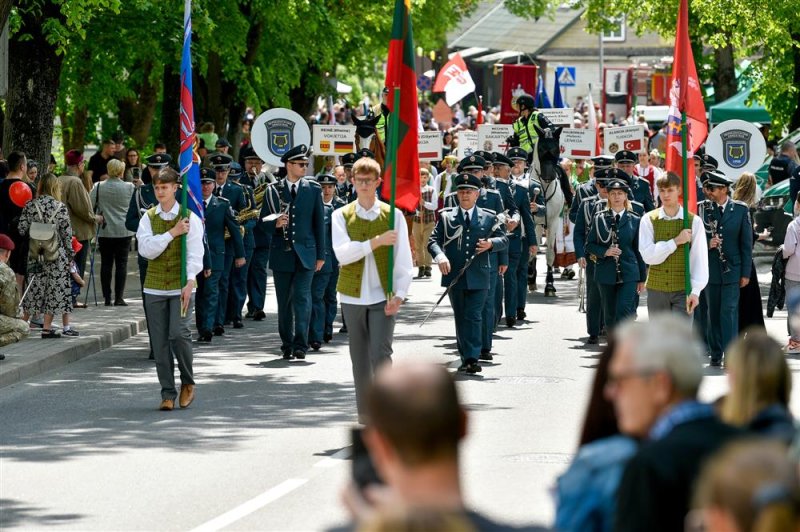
x: 685, y: 95
x: 400, y: 73
x: 479, y: 120
x: 517, y: 79
x: 454, y: 81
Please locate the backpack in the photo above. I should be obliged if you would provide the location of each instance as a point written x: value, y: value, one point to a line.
x: 44, y: 242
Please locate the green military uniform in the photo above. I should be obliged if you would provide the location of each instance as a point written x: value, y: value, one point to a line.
x: 11, y: 329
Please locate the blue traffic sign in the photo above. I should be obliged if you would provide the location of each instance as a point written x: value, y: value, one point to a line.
x: 566, y: 76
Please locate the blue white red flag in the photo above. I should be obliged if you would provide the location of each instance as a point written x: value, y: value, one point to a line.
x: 188, y: 161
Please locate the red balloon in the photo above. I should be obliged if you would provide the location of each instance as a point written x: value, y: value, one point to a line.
x: 20, y: 194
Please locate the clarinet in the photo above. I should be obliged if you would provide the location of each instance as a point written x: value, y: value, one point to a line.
x: 723, y: 260
x: 284, y: 209
x: 615, y: 243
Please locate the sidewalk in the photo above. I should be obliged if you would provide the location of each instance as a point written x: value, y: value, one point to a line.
x: 100, y: 328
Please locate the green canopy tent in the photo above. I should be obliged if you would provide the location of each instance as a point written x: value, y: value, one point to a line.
x: 736, y: 107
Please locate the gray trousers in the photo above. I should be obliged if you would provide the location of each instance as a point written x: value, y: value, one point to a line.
x: 370, y: 334
x: 658, y: 302
x: 170, y: 333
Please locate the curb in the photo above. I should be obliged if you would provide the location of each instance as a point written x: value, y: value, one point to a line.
x: 31, y: 364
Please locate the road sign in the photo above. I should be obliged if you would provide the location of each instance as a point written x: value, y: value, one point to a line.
x: 424, y: 83
x: 566, y: 76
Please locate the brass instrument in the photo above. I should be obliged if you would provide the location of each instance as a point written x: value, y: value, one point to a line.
x: 250, y: 212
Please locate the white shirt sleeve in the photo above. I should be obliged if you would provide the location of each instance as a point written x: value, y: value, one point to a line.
x: 346, y: 251
x: 434, y: 203
x: 150, y: 245
x: 194, y: 247
x: 698, y: 257
x: 653, y: 252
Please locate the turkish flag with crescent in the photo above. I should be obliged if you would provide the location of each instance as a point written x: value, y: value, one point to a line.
x: 632, y: 145
x: 685, y: 96
x: 454, y: 80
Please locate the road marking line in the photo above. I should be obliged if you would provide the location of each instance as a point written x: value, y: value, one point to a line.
x: 253, y: 505
x: 334, y: 459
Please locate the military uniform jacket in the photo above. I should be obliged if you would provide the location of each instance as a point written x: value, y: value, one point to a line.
x: 631, y: 262
x: 330, y: 258
x: 490, y: 200
x: 142, y: 199
x: 234, y: 193
x: 640, y: 192
x: 736, y: 232
x: 584, y: 221
x: 522, y: 202
x: 219, y: 216
x: 586, y: 190
x: 458, y: 243
x: 306, y: 229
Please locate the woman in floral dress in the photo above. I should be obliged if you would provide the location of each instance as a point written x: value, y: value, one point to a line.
x: 49, y: 292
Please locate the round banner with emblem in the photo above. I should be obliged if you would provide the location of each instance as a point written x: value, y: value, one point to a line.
x: 738, y: 147
x: 277, y: 131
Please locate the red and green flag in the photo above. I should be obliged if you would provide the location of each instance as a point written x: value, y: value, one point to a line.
x: 401, y: 171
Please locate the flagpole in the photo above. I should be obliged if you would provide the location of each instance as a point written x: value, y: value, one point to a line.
x: 394, y: 131
x: 687, y: 280
x: 187, y: 14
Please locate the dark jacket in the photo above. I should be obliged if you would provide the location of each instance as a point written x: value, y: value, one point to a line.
x: 774, y: 421
x: 777, y: 288
x: 656, y: 488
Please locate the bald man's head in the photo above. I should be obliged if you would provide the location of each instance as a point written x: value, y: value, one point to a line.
x: 416, y: 408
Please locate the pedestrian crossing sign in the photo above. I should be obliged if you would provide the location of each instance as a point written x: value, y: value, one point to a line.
x: 566, y: 76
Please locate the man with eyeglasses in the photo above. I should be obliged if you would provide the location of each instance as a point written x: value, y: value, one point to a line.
x: 293, y: 213
x: 653, y: 378
x: 362, y: 234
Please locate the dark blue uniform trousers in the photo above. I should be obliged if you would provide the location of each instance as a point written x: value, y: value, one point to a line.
x: 723, y: 313
x: 467, y: 308
x: 238, y: 287
x: 207, y: 300
x: 293, y: 290
x: 223, y: 284
x: 487, y: 320
x: 510, y: 280
x: 257, y: 279
x: 142, y: 263
x: 331, y: 304
x: 594, y: 305
x: 521, y: 275
x: 619, y: 302
x: 319, y: 312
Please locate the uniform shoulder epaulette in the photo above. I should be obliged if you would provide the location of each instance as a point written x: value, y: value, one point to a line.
x: 236, y: 183
x: 493, y: 191
x: 601, y: 211
x: 740, y: 202
x: 639, y: 203
x: 314, y: 182
x: 223, y: 199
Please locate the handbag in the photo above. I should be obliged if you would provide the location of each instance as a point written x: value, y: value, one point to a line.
x: 43, y: 238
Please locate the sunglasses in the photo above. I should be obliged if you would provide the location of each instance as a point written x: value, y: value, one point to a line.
x: 303, y: 165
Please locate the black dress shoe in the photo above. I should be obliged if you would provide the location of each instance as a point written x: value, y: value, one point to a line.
x: 219, y: 330
x: 521, y: 315
x: 2, y: 356
x: 327, y: 337
x: 716, y: 363
x: 108, y: 302
x: 120, y: 303
x: 249, y: 314
x: 259, y: 315
x: 205, y: 336
x: 315, y: 345
x: 473, y: 367
x: 427, y: 271
x: 486, y: 356
x: 299, y: 354
x: 510, y: 322
x: 343, y: 330
x: 593, y: 340
x: 287, y: 354
x: 237, y: 324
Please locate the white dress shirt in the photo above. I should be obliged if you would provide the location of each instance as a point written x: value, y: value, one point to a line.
x: 657, y: 252
x: 151, y: 246
x: 348, y: 251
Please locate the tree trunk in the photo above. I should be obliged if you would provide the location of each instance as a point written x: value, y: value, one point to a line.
x: 235, y: 114
x: 303, y: 96
x: 170, y: 111
x: 144, y: 107
x: 725, y: 75
x: 34, y: 74
x: 216, y: 110
x: 80, y: 121
x: 5, y: 10
x: 66, y: 130
x: 795, y: 120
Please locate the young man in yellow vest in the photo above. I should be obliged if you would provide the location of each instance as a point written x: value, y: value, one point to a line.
x: 361, y: 235
x: 159, y: 240
x: 661, y: 242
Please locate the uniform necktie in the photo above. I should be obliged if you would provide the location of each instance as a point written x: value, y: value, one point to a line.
x: 218, y: 191
x: 294, y: 191
x: 616, y: 218
x: 466, y: 218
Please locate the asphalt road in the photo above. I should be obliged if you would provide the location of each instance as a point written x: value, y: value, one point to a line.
x: 265, y: 444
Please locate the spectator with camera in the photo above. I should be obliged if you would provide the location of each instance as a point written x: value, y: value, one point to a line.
x: 133, y: 167
x: 110, y: 199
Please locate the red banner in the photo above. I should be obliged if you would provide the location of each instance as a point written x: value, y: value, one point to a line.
x: 517, y: 79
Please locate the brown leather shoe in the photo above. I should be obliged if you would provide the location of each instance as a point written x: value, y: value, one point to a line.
x: 167, y: 404
x: 187, y: 395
